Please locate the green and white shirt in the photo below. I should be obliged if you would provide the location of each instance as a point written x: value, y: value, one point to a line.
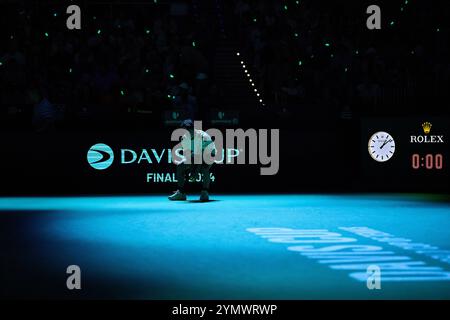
x: 200, y: 142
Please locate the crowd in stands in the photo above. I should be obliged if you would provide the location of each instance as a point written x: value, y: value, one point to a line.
x: 320, y: 56
x: 126, y: 59
x: 146, y: 59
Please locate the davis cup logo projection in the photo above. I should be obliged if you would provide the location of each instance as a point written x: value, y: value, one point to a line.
x: 100, y: 156
x: 236, y: 147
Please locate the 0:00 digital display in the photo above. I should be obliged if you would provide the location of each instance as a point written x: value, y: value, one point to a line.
x: 430, y: 161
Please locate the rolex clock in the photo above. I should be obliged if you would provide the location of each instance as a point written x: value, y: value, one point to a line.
x: 381, y: 146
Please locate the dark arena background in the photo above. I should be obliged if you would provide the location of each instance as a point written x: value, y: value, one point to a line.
x: 358, y: 208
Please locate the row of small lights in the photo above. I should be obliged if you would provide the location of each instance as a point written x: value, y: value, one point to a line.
x: 251, y: 81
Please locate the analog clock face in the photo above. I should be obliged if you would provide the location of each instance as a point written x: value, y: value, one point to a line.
x: 381, y: 146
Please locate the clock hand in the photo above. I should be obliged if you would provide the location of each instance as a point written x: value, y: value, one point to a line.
x: 387, y: 141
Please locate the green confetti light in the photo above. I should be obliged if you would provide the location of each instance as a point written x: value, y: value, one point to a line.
x: 193, y: 43
x: 392, y: 23
x: 147, y: 31
x: 285, y: 7
x: 46, y: 34
x: 300, y: 62
x: 171, y: 76
x: 122, y: 92
x: 99, y: 31
x: 327, y: 44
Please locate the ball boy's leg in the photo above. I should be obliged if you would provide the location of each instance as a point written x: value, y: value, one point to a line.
x: 206, y: 181
x: 180, y: 194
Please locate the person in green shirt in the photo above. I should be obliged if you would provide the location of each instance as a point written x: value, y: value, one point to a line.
x: 193, y: 144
